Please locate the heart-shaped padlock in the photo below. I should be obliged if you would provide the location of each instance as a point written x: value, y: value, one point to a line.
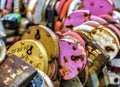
x: 49, y: 40
x: 34, y: 12
x: 32, y: 52
x: 75, y: 82
x: 98, y: 7
x: 72, y: 58
x: 107, y: 40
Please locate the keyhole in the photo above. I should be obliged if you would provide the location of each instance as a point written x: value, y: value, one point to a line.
x: 37, y: 36
x: 29, y: 51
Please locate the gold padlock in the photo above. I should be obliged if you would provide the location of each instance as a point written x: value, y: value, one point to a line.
x: 32, y: 52
x: 49, y: 40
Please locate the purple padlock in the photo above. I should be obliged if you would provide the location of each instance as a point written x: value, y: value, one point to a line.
x: 72, y: 59
x: 77, y: 17
x: 98, y: 7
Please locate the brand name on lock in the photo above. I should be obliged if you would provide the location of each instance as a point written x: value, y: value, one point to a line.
x: 93, y: 53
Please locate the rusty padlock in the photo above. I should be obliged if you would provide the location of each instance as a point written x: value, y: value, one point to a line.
x: 73, y: 63
x: 107, y: 40
x: 97, y: 55
x: 49, y: 40
x: 33, y: 12
x: 15, y: 72
x: 32, y: 52
x: 76, y: 18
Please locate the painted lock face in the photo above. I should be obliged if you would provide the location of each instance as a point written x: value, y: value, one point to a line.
x: 75, y: 82
x: 98, y: 7
x: 32, y: 52
x: 2, y: 51
x: 49, y: 40
x: 34, y: 12
x: 72, y: 59
x: 76, y: 18
x: 106, y: 39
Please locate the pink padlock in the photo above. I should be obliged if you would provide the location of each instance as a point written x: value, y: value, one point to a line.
x: 98, y: 7
x: 76, y: 36
x: 98, y: 19
x: 72, y: 59
x: 77, y: 17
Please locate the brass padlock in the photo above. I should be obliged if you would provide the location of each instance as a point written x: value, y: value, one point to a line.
x: 32, y: 52
x: 107, y: 39
x: 14, y: 72
x: 49, y: 40
x: 97, y: 56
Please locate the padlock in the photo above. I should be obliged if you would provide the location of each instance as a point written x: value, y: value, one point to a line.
x: 59, y: 23
x: 97, y: 56
x: 72, y: 58
x: 92, y: 23
x: 2, y: 32
x: 32, y: 52
x: 49, y: 40
x: 11, y: 21
x: 108, y: 18
x: 50, y: 12
x: 116, y: 16
x: 83, y: 27
x: 34, y: 12
x: 76, y: 18
x: 98, y: 19
x: 41, y: 80
x: 60, y: 6
x: 15, y: 72
x: 107, y: 40
x: 9, y: 5
x: 117, y: 6
x: 104, y: 78
x: 18, y: 4
x: 115, y: 28
x: 2, y: 51
x: 75, y: 36
x: 2, y: 4
x: 73, y: 5
x: 98, y: 7
x: 114, y: 79
x: 75, y: 82
x: 44, y: 13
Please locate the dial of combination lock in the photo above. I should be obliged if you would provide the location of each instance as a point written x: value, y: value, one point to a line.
x: 32, y: 52
x: 49, y: 41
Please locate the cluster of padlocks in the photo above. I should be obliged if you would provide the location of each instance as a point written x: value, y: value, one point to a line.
x: 59, y: 43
